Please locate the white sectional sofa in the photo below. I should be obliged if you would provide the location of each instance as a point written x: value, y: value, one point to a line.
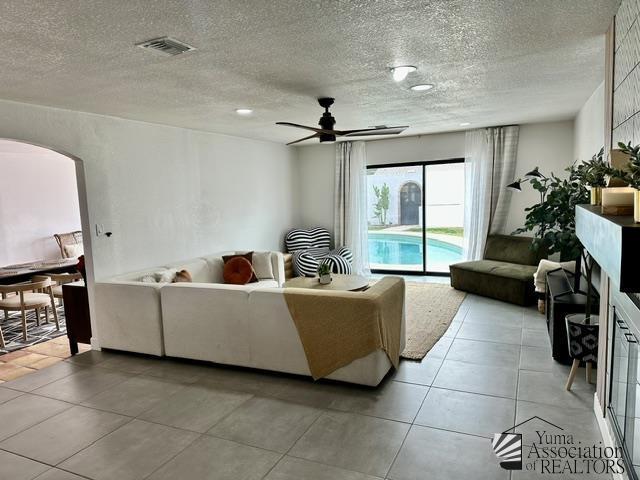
x: 244, y: 325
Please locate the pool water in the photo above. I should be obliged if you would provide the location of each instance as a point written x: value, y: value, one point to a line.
x: 406, y: 250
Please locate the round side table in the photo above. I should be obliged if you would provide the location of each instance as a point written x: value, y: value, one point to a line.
x: 353, y: 283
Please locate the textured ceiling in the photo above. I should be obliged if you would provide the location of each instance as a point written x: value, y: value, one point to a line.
x: 493, y: 62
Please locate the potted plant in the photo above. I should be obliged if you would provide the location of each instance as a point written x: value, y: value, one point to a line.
x: 631, y: 175
x: 594, y: 174
x: 553, y: 220
x: 324, y: 273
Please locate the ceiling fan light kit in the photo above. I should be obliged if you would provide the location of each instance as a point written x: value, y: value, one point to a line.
x: 328, y: 134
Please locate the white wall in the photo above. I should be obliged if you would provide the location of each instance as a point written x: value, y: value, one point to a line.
x: 38, y: 197
x: 545, y: 145
x: 166, y: 193
x: 589, y: 126
x: 316, y: 185
x: 440, y: 146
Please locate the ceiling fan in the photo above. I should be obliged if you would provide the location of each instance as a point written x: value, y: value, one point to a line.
x: 328, y: 134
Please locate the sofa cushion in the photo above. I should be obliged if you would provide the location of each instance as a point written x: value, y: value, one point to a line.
x: 500, y: 269
x: 166, y: 276
x: 197, y: 267
x: 216, y: 266
x: 500, y: 280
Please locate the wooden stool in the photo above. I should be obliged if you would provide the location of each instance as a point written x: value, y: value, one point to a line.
x: 583, y: 344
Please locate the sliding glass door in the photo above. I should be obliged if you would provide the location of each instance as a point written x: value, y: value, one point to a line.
x: 415, y: 214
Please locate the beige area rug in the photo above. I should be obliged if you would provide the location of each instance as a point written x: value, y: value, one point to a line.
x: 430, y: 310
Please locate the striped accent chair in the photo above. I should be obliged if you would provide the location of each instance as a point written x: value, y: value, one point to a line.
x: 311, y: 247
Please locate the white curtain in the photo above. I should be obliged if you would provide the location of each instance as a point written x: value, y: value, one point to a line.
x: 490, y: 162
x: 350, y: 216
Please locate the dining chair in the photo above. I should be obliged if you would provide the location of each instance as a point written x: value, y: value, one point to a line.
x: 70, y: 244
x: 57, y: 280
x: 29, y: 296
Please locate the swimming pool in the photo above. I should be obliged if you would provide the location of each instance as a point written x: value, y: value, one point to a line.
x: 405, y: 251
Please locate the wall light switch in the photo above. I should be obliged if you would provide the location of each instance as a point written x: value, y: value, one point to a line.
x: 99, y: 229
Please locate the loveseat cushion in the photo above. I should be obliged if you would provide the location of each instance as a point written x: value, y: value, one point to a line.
x: 504, y: 281
x: 512, y: 249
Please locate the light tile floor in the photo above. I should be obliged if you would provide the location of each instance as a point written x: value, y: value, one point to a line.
x: 104, y: 416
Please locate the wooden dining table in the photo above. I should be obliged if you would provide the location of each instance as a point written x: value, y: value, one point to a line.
x: 23, y: 272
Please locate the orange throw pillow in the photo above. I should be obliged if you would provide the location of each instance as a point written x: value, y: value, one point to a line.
x: 249, y: 257
x: 238, y: 271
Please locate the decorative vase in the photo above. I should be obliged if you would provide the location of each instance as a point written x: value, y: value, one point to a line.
x: 596, y: 195
x: 636, y: 205
x: 325, y: 279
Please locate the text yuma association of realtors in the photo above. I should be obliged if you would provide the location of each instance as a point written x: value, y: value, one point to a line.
x: 561, y: 454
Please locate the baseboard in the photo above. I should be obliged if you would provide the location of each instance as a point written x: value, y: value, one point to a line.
x: 607, y: 436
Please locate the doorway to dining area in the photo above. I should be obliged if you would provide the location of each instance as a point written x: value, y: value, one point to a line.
x: 40, y: 243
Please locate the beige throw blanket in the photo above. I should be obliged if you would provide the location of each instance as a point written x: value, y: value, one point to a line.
x: 337, y: 328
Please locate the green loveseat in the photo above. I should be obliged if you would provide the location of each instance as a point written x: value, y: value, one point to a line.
x: 505, y: 273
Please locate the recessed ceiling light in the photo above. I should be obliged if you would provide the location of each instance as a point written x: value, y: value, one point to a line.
x: 400, y: 72
x: 423, y: 87
x: 465, y: 124
x: 244, y: 111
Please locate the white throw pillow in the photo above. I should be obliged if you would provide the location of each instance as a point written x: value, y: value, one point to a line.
x: 261, y: 262
x: 166, y: 276
x: 73, y: 250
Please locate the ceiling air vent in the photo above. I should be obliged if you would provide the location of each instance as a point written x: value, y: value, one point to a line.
x: 166, y: 46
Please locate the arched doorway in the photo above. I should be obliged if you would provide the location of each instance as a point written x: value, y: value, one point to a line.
x: 410, y: 202
x: 46, y: 229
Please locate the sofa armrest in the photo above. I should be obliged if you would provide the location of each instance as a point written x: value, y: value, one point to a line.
x: 128, y: 316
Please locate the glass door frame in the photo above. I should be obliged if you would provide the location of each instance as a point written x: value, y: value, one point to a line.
x: 422, y: 165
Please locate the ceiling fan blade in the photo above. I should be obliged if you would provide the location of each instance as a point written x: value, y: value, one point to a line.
x: 372, y: 131
x: 313, y: 129
x: 315, y: 135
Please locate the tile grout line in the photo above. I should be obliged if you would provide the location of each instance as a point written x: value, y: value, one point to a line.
x: 198, y: 437
x: 4, y: 385
x: 284, y: 455
x: 51, y: 467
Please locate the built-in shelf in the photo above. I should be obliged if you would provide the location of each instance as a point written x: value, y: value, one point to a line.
x: 613, y: 242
